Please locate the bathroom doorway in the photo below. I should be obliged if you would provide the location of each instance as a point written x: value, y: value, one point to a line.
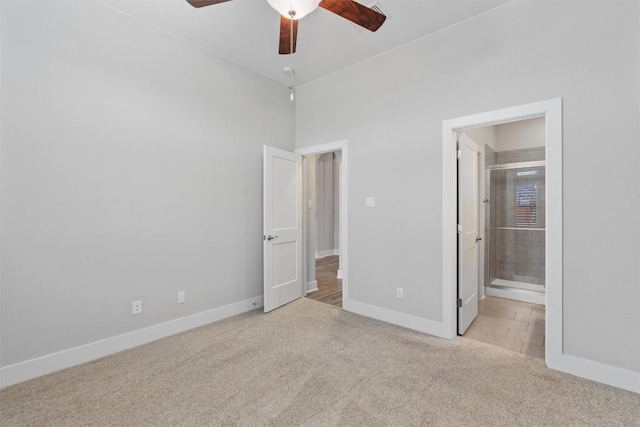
x: 551, y: 110
x: 511, y: 283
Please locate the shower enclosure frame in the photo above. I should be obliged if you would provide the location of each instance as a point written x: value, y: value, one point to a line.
x: 525, y: 295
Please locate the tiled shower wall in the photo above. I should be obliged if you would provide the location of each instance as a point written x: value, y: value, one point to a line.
x: 517, y: 156
x: 516, y: 255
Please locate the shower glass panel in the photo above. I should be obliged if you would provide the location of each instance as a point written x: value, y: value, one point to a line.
x: 516, y: 227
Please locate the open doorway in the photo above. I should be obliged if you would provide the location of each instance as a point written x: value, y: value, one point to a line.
x: 323, y: 213
x: 551, y: 110
x: 325, y: 199
x: 510, y: 236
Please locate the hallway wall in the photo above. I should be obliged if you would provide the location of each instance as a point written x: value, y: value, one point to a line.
x: 328, y: 204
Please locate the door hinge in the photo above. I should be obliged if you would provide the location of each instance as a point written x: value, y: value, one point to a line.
x: 458, y: 154
x: 459, y: 302
x: 459, y: 228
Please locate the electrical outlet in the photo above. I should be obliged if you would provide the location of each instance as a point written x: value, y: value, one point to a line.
x: 399, y: 293
x: 136, y: 307
x: 181, y: 297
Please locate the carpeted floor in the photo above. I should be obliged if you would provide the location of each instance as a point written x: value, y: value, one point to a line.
x: 310, y: 363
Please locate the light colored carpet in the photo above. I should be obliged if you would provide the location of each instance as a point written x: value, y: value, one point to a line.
x: 310, y: 363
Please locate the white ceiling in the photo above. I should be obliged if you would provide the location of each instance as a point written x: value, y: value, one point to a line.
x: 247, y: 31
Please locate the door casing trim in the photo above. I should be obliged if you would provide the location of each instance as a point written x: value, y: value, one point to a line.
x: 552, y: 111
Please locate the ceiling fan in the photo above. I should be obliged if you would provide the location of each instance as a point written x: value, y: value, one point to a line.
x: 292, y: 10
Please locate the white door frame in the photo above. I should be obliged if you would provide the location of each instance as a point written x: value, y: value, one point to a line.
x: 481, y: 219
x: 330, y: 147
x: 552, y: 111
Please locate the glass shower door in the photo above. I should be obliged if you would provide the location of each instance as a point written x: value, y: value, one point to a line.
x: 516, y: 227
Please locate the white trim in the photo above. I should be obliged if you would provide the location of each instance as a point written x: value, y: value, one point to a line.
x: 323, y: 148
x: 481, y: 217
x: 339, y: 274
x: 312, y: 286
x: 517, y: 295
x: 596, y: 371
x: 409, y: 321
x: 518, y: 285
x: 53, y: 362
x: 552, y: 111
x: 328, y: 252
x: 553, y: 233
x: 340, y: 146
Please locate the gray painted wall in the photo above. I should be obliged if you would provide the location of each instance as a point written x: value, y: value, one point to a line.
x: 520, y: 135
x: 309, y: 169
x: 327, y: 199
x: 484, y: 135
x: 588, y: 53
x: 131, y: 169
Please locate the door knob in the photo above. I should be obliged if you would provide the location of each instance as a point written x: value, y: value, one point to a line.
x: 270, y: 237
x: 477, y: 238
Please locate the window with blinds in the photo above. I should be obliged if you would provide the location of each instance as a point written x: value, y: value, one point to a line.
x: 526, y: 201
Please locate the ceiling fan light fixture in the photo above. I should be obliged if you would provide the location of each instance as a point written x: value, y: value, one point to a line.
x: 294, y: 9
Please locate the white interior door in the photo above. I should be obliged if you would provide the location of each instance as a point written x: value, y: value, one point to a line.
x: 282, y: 213
x: 468, y: 232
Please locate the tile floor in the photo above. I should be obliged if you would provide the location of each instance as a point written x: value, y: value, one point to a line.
x: 514, y: 325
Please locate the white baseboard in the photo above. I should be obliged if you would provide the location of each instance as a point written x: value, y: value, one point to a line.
x: 409, y: 321
x: 518, y: 285
x: 584, y: 368
x: 49, y: 363
x: 517, y: 294
x: 339, y: 274
x: 312, y: 286
x: 329, y: 252
x: 23, y: 371
x: 599, y: 372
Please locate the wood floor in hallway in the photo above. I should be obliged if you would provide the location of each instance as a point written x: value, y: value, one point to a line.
x: 329, y: 286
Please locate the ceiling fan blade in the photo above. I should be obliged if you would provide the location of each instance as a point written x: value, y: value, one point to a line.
x: 202, y: 3
x: 355, y: 12
x: 286, y: 35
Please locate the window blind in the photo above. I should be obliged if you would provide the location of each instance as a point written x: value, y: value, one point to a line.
x: 526, y: 202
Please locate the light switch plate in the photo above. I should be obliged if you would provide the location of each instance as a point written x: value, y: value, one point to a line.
x: 370, y: 202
